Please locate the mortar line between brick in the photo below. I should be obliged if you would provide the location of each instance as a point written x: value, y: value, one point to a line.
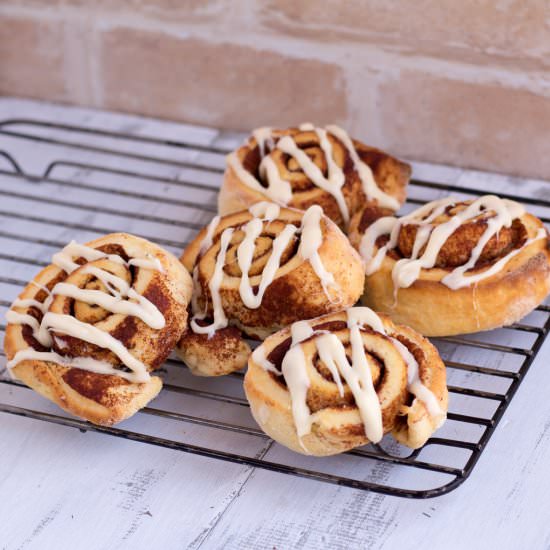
x: 536, y: 81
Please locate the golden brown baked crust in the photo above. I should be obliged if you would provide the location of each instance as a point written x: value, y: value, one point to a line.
x: 223, y: 353
x: 390, y: 174
x: 433, y: 308
x: 296, y: 291
x: 104, y: 399
x: 337, y: 424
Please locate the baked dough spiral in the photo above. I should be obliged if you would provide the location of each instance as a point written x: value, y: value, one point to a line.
x: 303, y: 166
x: 87, y: 331
x: 257, y: 271
x: 454, y: 267
x: 330, y: 384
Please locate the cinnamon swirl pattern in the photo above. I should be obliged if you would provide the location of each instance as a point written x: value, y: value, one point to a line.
x: 453, y: 267
x: 87, y: 331
x: 342, y: 380
x: 257, y: 271
x: 303, y: 166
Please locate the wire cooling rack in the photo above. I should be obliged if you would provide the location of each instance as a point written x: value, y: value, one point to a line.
x: 61, y: 181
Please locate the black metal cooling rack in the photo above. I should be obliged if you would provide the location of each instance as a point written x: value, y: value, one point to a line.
x: 385, y: 468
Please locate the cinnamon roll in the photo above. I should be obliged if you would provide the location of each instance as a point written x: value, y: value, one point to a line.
x: 454, y: 267
x: 87, y: 331
x: 257, y: 271
x: 303, y: 166
x: 330, y: 384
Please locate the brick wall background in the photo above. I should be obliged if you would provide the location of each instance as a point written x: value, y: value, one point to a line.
x: 464, y: 82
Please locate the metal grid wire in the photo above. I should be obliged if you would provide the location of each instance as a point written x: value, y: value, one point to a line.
x: 481, y: 386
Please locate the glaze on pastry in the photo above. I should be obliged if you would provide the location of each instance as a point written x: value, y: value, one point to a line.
x: 87, y: 331
x: 453, y: 267
x: 303, y: 166
x: 330, y: 384
x: 257, y: 271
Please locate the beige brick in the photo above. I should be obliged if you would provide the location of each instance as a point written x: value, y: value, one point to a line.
x: 216, y: 84
x: 474, y: 125
x: 31, y: 3
x: 508, y: 30
x: 174, y: 10
x: 31, y: 58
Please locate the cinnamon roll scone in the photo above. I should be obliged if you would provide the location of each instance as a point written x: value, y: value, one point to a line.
x: 299, y: 167
x: 454, y: 267
x: 257, y: 271
x: 87, y: 331
x: 330, y: 384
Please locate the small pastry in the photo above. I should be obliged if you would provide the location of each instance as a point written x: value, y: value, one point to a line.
x: 303, y: 166
x: 87, y: 331
x: 330, y: 384
x: 257, y: 271
x: 454, y: 267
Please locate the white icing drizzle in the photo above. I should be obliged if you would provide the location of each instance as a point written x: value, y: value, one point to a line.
x: 457, y: 279
x: 370, y: 188
x: 391, y: 225
x: 333, y: 184
x: 26, y: 303
x: 16, y: 318
x: 60, y: 343
x: 361, y: 316
x: 245, y: 254
x: 210, y: 230
x: 204, y: 246
x: 311, y: 240
x: 269, y: 171
x: 114, y: 302
x: 265, y: 210
x: 143, y: 309
x: 220, y: 319
x: 84, y: 363
x: 65, y: 324
x: 295, y: 374
x: 407, y: 270
x: 259, y: 357
x: 147, y: 263
x: 297, y: 379
x: 262, y: 136
x: 356, y: 375
x: 336, y: 177
x: 41, y: 287
x: 280, y: 190
x: 64, y: 258
x: 415, y: 385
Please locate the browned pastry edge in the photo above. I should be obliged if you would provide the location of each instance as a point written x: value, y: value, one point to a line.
x: 295, y: 293
x: 390, y: 174
x: 434, y: 309
x: 106, y: 399
x: 339, y: 428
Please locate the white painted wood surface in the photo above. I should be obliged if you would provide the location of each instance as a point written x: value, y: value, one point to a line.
x: 60, y: 488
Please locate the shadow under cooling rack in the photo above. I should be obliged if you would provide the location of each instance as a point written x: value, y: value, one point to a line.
x: 61, y: 181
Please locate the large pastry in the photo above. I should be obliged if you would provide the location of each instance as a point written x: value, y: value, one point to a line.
x: 257, y: 271
x: 303, y: 166
x: 453, y: 267
x: 330, y: 384
x: 89, y: 329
